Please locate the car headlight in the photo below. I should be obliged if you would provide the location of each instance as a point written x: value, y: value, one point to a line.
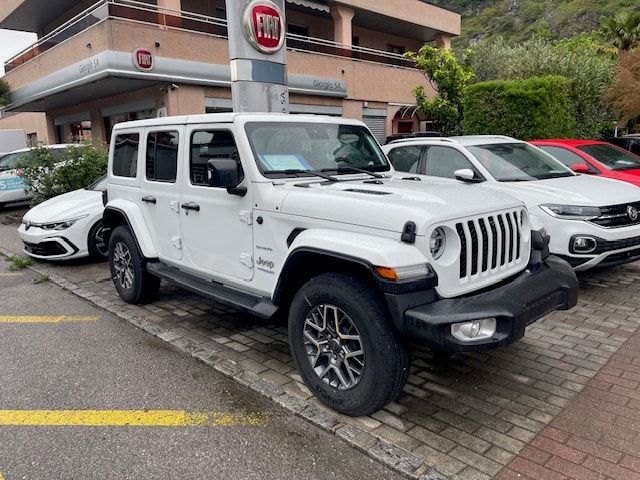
x: 61, y: 225
x: 437, y: 242
x: 571, y: 212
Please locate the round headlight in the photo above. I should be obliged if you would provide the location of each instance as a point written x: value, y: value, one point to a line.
x: 437, y: 242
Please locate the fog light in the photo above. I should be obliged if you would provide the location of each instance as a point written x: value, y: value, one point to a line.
x: 584, y: 244
x: 475, y: 330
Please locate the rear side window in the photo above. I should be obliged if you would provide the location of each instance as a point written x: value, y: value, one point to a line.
x: 162, y: 156
x: 125, y: 155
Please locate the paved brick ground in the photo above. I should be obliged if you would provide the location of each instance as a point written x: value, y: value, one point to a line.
x: 561, y: 403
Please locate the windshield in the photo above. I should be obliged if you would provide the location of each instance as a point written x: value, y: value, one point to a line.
x: 517, y: 162
x: 295, y: 148
x: 8, y: 161
x: 612, y: 157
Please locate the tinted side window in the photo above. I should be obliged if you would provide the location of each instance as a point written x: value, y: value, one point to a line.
x: 162, y: 156
x: 444, y: 161
x: 208, y: 144
x: 125, y: 155
x: 405, y: 159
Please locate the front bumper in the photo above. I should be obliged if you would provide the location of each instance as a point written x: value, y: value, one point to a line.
x: 514, y: 305
x: 42, y: 245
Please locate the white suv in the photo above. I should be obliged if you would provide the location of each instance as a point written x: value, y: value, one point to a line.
x: 592, y: 221
x: 303, y: 215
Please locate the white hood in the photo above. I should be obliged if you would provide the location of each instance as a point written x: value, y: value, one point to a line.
x: 582, y: 190
x: 66, y: 206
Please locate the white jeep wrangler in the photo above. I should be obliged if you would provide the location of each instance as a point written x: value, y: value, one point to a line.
x: 304, y: 215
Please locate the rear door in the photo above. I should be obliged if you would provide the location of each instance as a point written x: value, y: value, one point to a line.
x: 160, y: 190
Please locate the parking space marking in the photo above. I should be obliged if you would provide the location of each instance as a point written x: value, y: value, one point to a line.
x: 47, y: 318
x: 131, y: 418
x: 9, y: 274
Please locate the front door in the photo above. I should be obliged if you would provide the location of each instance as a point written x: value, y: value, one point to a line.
x: 216, y: 226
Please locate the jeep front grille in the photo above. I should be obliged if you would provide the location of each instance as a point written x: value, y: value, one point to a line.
x: 489, y: 243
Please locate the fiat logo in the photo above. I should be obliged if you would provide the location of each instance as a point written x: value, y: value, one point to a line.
x: 142, y: 59
x: 264, y: 26
x: 632, y: 213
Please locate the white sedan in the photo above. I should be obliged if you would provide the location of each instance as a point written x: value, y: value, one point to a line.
x: 67, y: 226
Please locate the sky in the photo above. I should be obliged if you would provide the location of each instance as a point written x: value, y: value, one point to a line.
x: 12, y: 42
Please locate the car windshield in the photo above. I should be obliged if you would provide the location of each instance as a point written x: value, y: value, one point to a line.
x: 517, y: 162
x: 99, y: 184
x: 612, y: 157
x: 8, y: 161
x: 309, y: 149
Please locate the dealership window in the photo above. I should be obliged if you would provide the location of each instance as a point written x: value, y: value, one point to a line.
x: 75, y: 132
x: 162, y: 156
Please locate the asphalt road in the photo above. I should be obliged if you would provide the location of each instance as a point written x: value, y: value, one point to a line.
x: 86, y: 395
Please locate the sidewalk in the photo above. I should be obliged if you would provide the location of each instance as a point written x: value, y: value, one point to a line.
x: 563, y: 402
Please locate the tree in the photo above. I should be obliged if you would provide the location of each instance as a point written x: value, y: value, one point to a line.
x: 622, y: 95
x: 449, y: 78
x: 4, y: 93
x: 577, y: 58
x: 621, y: 32
x: 46, y: 174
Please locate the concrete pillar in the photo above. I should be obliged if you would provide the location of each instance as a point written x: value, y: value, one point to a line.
x: 443, y: 40
x: 170, y: 4
x: 342, y: 31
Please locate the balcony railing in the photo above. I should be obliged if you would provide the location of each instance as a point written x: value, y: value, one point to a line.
x: 147, y: 14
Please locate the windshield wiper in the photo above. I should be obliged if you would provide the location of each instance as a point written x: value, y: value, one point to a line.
x: 301, y: 172
x: 352, y: 170
x: 516, y: 179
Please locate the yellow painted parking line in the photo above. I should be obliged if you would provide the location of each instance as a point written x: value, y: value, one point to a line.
x: 132, y: 418
x: 9, y: 274
x: 46, y: 319
x: 1, y: 477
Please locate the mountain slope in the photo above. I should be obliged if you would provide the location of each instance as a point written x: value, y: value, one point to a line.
x: 518, y: 20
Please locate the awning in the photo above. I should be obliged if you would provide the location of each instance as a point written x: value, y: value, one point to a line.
x: 311, y: 4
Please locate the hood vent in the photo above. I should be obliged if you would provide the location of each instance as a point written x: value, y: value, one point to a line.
x: 368, y: 192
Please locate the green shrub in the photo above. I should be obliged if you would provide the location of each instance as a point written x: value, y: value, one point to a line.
x: 47, y: 173
x: 539, y: 107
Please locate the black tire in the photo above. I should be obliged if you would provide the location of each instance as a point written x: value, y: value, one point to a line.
x: 98, y: 248
x: 128, y: 268
x: 357, y: 375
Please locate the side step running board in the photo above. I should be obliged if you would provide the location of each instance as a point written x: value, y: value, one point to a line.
x: 214, y: 291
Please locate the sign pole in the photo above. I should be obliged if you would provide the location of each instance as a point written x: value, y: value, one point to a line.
x: 257, y: 53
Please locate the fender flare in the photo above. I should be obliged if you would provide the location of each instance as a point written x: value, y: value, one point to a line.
x: 373, y: 250
x: 132, y: 215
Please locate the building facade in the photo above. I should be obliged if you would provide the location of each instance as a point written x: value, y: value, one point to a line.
x: 97, y: 63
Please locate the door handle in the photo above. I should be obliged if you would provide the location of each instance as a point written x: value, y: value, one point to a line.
x: 149, y: 199
x: 191, y: 206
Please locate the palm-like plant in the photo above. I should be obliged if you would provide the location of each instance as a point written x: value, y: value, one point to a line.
x: 622, y: 31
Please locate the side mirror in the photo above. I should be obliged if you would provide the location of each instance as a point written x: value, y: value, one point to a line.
x: 466, y: 175
x: 225, y: 173
x: 580, y: 168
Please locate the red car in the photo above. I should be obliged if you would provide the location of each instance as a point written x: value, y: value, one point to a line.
x: 595, y: 158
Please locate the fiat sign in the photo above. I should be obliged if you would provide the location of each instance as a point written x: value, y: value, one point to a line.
x: 142, y: 59
x: 264, y: 26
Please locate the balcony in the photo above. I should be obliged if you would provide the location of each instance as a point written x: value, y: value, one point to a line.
x: 88, y: 58
x: 150, y: 15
